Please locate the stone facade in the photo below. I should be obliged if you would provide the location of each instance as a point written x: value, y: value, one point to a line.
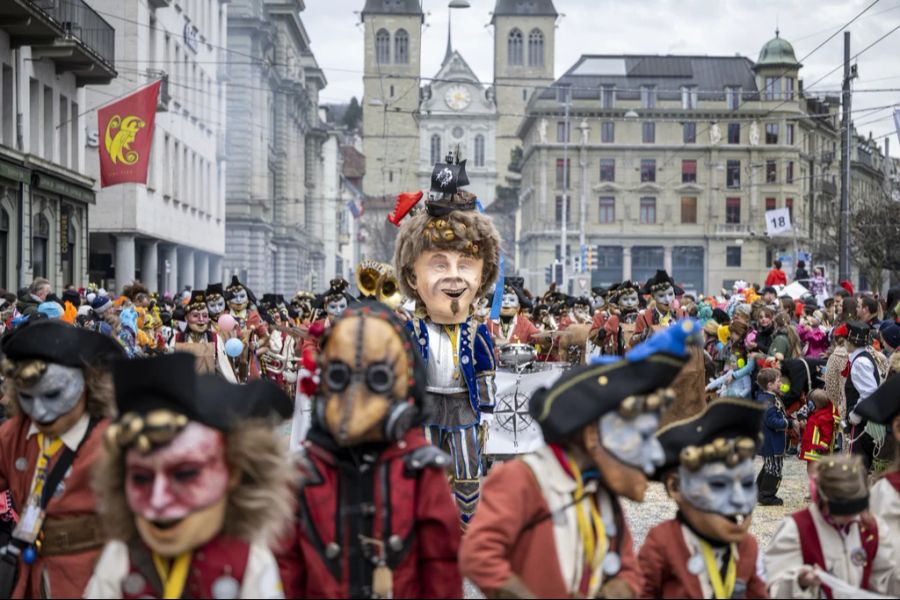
x: 676, y: 159
x: 274, y: 149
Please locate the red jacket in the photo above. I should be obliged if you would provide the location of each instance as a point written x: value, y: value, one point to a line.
x: 339, y: 501
x: 776, y: 277
x: 818, y: 437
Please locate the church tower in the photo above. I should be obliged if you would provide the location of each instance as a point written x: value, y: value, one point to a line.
x: 524, y: 36
x: 393, y: 38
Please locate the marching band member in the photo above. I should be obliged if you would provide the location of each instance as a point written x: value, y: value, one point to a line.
x: 513, y: 326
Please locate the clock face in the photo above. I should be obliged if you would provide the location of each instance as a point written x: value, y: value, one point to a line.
x: 458, y: 97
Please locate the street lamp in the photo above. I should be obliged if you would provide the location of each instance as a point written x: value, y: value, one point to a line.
x: 450, y: 6
x: 631, y: 114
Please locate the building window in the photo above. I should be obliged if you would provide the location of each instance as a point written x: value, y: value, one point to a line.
x: 479, y: 150
x: 688, y: 97
x: 733, y: 174
x: 563, y: 132
x: 770, y: 203
x: 789, y: 174
x: 789, y: 134
x: 607, y: 169
x: 648, y: 96
x: 382, y: 47
x: 608, y: 96
x: 688, y: 171
x: 789, y: 204
x: 734, y: 133
x: 40, y: 245
x: 788, y: 88
x: 514, y: 48
x: 648, y: 170
x: 771, y: 171
x: 435, y: 149
x: 401, y: 47
x: 771, y: 133
x: 562, y: 173
x: 689, y: 132
x: 535, y: 48
x: 559, y: 205
x: 607, y: 209
x: 648, y: 211
x: 733, y: 97
x: 607, y: 132
x: 4, y: 247
x: 733, y: 210
x: 688, y: 209
x: 649, y: 132
x: 732, y: 256
x: 773, y: 88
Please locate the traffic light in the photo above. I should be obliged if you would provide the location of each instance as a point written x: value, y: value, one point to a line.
x: 591, y: 263
x: 576, y: 264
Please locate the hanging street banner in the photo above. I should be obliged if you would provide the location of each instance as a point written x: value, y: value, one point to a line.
x: 126, y: 130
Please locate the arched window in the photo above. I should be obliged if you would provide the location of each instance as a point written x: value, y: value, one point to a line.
x: 40, y: 246
x: 435, y: 149
x: 479, y: 150
x: 514, y: 47
x: 401, y: 47
x: 535, y: 48
x: 382, y: 47
x: 4, y: 247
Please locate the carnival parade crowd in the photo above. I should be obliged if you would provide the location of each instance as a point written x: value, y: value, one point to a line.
x: 143, y: 449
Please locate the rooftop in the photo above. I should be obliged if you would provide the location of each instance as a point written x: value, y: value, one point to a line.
x: 538, y: 8
x: 392, y: 7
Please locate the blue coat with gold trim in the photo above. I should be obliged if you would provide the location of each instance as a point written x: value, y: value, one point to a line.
x: 476, y: 361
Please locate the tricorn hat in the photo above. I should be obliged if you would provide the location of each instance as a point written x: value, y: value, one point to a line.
x: 661, y: 281
x: 59, y: 343
x: 214, y: 289
x: 197, y: 301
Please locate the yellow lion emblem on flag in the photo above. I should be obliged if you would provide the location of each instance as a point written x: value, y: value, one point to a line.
x: 118, y: 143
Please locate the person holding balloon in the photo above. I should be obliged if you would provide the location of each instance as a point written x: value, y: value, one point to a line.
x: 215, y: 351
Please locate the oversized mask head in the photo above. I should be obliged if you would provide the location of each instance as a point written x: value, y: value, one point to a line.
x: 447, y: 282
x: 335, y: 305
x: 240, y: 299
x: 629, y: 301
x: 215, y: 304
x: 178, y: 492
x: 623, y: 444
x: 598, y: 301
x: 366, y: 373
x: 198, y: 319
x: 509, y: 304
x: 664, y: 297
x: 50, y: 394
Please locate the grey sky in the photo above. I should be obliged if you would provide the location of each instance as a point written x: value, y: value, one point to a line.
x: 714, y: 27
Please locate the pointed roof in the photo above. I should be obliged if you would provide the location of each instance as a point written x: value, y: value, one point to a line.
x: 392, y: 7
x: 455, y: 67
x: 528, y: 8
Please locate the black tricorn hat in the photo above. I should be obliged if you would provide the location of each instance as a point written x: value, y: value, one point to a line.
x: 585, y: 393
x: 169, y: 382
x: 883, y: 405
x: 859, y: 333
x: 197, y: 301
x: 214, y: 289
x: 235, y: 283
x: 57, y: 342
x: 660, y: 281
x: 516, y: 285
x: 725, y: 418
x: 599, y: 291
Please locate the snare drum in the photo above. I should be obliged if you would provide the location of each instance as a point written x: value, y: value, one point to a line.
x: 517, y: 355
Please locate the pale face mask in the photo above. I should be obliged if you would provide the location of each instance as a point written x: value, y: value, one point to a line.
x: 239, y: 299
x: 509, y: 301
x: 633, y: 441
x: 216, y: 306
x: 598, y: 302
x: 55, y: 394
x: 664, y: 297
x: 629, y: 300
x: 336, y: 308
x: 717, y: 488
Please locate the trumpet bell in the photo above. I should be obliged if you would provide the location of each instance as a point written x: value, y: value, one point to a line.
x: 388, y: 290
x: 367, y: 275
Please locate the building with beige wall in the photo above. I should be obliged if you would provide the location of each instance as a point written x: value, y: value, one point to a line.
x: 675, y: 160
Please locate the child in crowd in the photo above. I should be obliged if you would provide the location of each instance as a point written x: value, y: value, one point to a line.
x: 775, y: 425
x: 818, y: 437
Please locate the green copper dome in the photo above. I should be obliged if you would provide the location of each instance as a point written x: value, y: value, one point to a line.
x: 777, y: 52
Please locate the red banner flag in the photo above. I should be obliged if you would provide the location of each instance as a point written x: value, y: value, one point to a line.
x: 126, y: 134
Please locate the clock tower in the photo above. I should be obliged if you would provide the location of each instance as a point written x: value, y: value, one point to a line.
x: 458, y: 111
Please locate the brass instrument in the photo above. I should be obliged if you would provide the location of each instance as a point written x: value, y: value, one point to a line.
x: 387, y: 290
x: 368, y: 274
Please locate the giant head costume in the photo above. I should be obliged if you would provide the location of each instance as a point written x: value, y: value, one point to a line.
x: 448, y: 255
x: 663, y: 290
x: 192, y: 457
x: 611, y: 411
x: 55, y: 373
x: 709, y: 467
x: 371, y: 379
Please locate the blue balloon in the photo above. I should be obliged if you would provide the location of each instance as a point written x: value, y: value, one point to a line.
x: 29, y: 555
x: 234, y: 347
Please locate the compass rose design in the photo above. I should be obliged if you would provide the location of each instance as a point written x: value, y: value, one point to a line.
x: 511, y: 412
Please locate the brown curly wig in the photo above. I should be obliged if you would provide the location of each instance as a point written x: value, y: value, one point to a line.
x: 472, y: 233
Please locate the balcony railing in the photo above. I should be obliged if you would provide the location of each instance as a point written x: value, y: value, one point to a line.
x: 82, y: 22
x: 732, y: 230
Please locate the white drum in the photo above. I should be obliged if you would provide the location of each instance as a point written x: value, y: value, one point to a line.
x: 517, y: 356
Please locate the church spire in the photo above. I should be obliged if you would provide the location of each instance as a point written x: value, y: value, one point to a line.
x: 449, y: 52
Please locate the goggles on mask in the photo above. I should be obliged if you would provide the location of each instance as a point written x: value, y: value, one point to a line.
x: 378, y: 377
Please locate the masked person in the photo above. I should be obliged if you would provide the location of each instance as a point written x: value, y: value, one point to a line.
x: 215, y: 301
x: 625, y: 306
x: 550, y: 524
x: 279, y: 357
x: 302, y: 303
x: 331, y: 305
x: 59, y: 388
x: 194, y: 484
x: 200, y: 340
x: 837, y: 534
x: 707, y: 551
x: 600, y: 315
x: 369, y: 475
x: 661, y: 312
x: 513, y: 326
x: 445, y: 258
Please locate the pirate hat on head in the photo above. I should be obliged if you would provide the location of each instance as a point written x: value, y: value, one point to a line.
x: 213, y: 290
x: 197, y: 301
x: 57, y: 342
x: 516, y: 285
x: 660, y: 281
x: 858, y: 333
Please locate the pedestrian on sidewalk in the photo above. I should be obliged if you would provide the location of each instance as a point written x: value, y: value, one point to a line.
x: 775, y: 426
